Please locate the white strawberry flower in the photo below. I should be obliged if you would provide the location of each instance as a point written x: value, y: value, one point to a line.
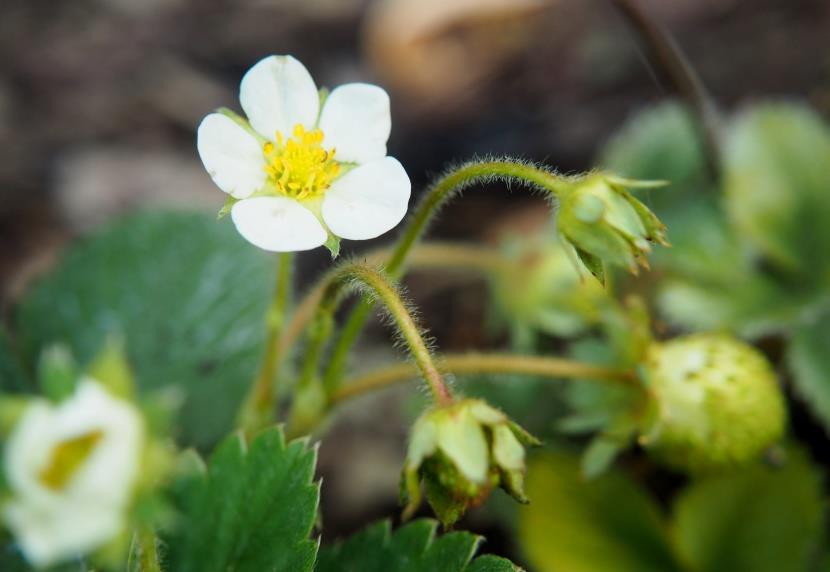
x: 303, y: 175
x: 71, y: 469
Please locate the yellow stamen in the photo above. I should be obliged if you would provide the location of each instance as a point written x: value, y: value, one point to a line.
x: 67, y: 457
x: 298, y: 166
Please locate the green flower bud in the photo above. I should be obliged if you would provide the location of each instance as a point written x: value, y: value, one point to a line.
x: 606, y: 224
x: 460, y: 453
x: 538, y: 289
x: 717, y: 402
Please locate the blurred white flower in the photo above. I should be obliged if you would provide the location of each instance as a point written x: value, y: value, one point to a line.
x: 302, y: 172
x: 71, y: 469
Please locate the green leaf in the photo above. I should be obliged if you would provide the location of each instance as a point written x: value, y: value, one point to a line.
x: 412, y: 548
x: 776, y: 185
x: 605, y: 524
x: 808, y: 356
x: 189, y: 297
x: 251, y: 510
x: 660, y: 142
x: 12, y: 377
x: 756, y: 520
x: 710, y: 282
x: 594, y: 405
x: 600, y: 454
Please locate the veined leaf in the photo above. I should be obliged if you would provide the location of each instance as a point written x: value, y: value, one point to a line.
x: 186, y: 293
x: 412, y: 548
x: 250, y: 510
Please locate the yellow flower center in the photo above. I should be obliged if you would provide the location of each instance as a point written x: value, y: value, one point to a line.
x: 299, y: 167
x: 67, y: 457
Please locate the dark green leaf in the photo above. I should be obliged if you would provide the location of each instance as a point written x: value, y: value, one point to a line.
x: 251, y: 510
x: 607, y: 524
x: 188, y: 295
x: 12, y: 377
x: 808, y: 356
x: 412, y: 548
x: 755, y: 520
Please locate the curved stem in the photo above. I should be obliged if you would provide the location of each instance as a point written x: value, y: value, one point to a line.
x: 431, y: 255
x: 377, y: 286
x: 457, y: 180
x: 257, y: 410
x: 669, y: 58
x: 442, y: 191
x: 473, y: 363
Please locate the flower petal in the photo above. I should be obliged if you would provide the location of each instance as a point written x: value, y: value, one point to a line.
x: 278, y: 224
x: 231, y: 155
x: 277, y: 94
x: 367, y: 201
x: 355, y: 120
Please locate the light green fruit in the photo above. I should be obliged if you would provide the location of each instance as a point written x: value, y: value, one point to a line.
x: 603, y: 221
x: 460, y: 452
x: 539, y: 288
x: 718, y: 403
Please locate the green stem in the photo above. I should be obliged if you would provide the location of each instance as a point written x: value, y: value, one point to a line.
x: 144, y: 555
x: 474, y: 363
x: 376, y: 286
x: 258, y: 409
x: 431, y: 255
x: 439, y: 194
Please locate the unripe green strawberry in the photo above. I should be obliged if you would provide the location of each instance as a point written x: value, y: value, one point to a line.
x: 460, y: 452
x: 717, y: 402
x: 539, y: 289
x: 606, y: 224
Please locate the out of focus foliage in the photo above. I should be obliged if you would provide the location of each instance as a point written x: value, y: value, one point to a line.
x: 750, y: 254
x: 188, y: 295
x: 756, y: 519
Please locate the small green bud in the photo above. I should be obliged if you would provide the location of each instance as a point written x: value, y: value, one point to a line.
x: 606, y: 224
x: 717, y: 403
x: 538, y: 289
x: 460, y: 452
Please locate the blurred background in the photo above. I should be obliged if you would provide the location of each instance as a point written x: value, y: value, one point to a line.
x: 99, y: 100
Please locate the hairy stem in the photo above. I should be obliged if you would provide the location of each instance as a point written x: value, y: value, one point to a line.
x: 377, y: 288
x: 144, y: 554
x: 475, y: 363
x: 258, y: 409
x: 442, y: 191
x: 430, y: 255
